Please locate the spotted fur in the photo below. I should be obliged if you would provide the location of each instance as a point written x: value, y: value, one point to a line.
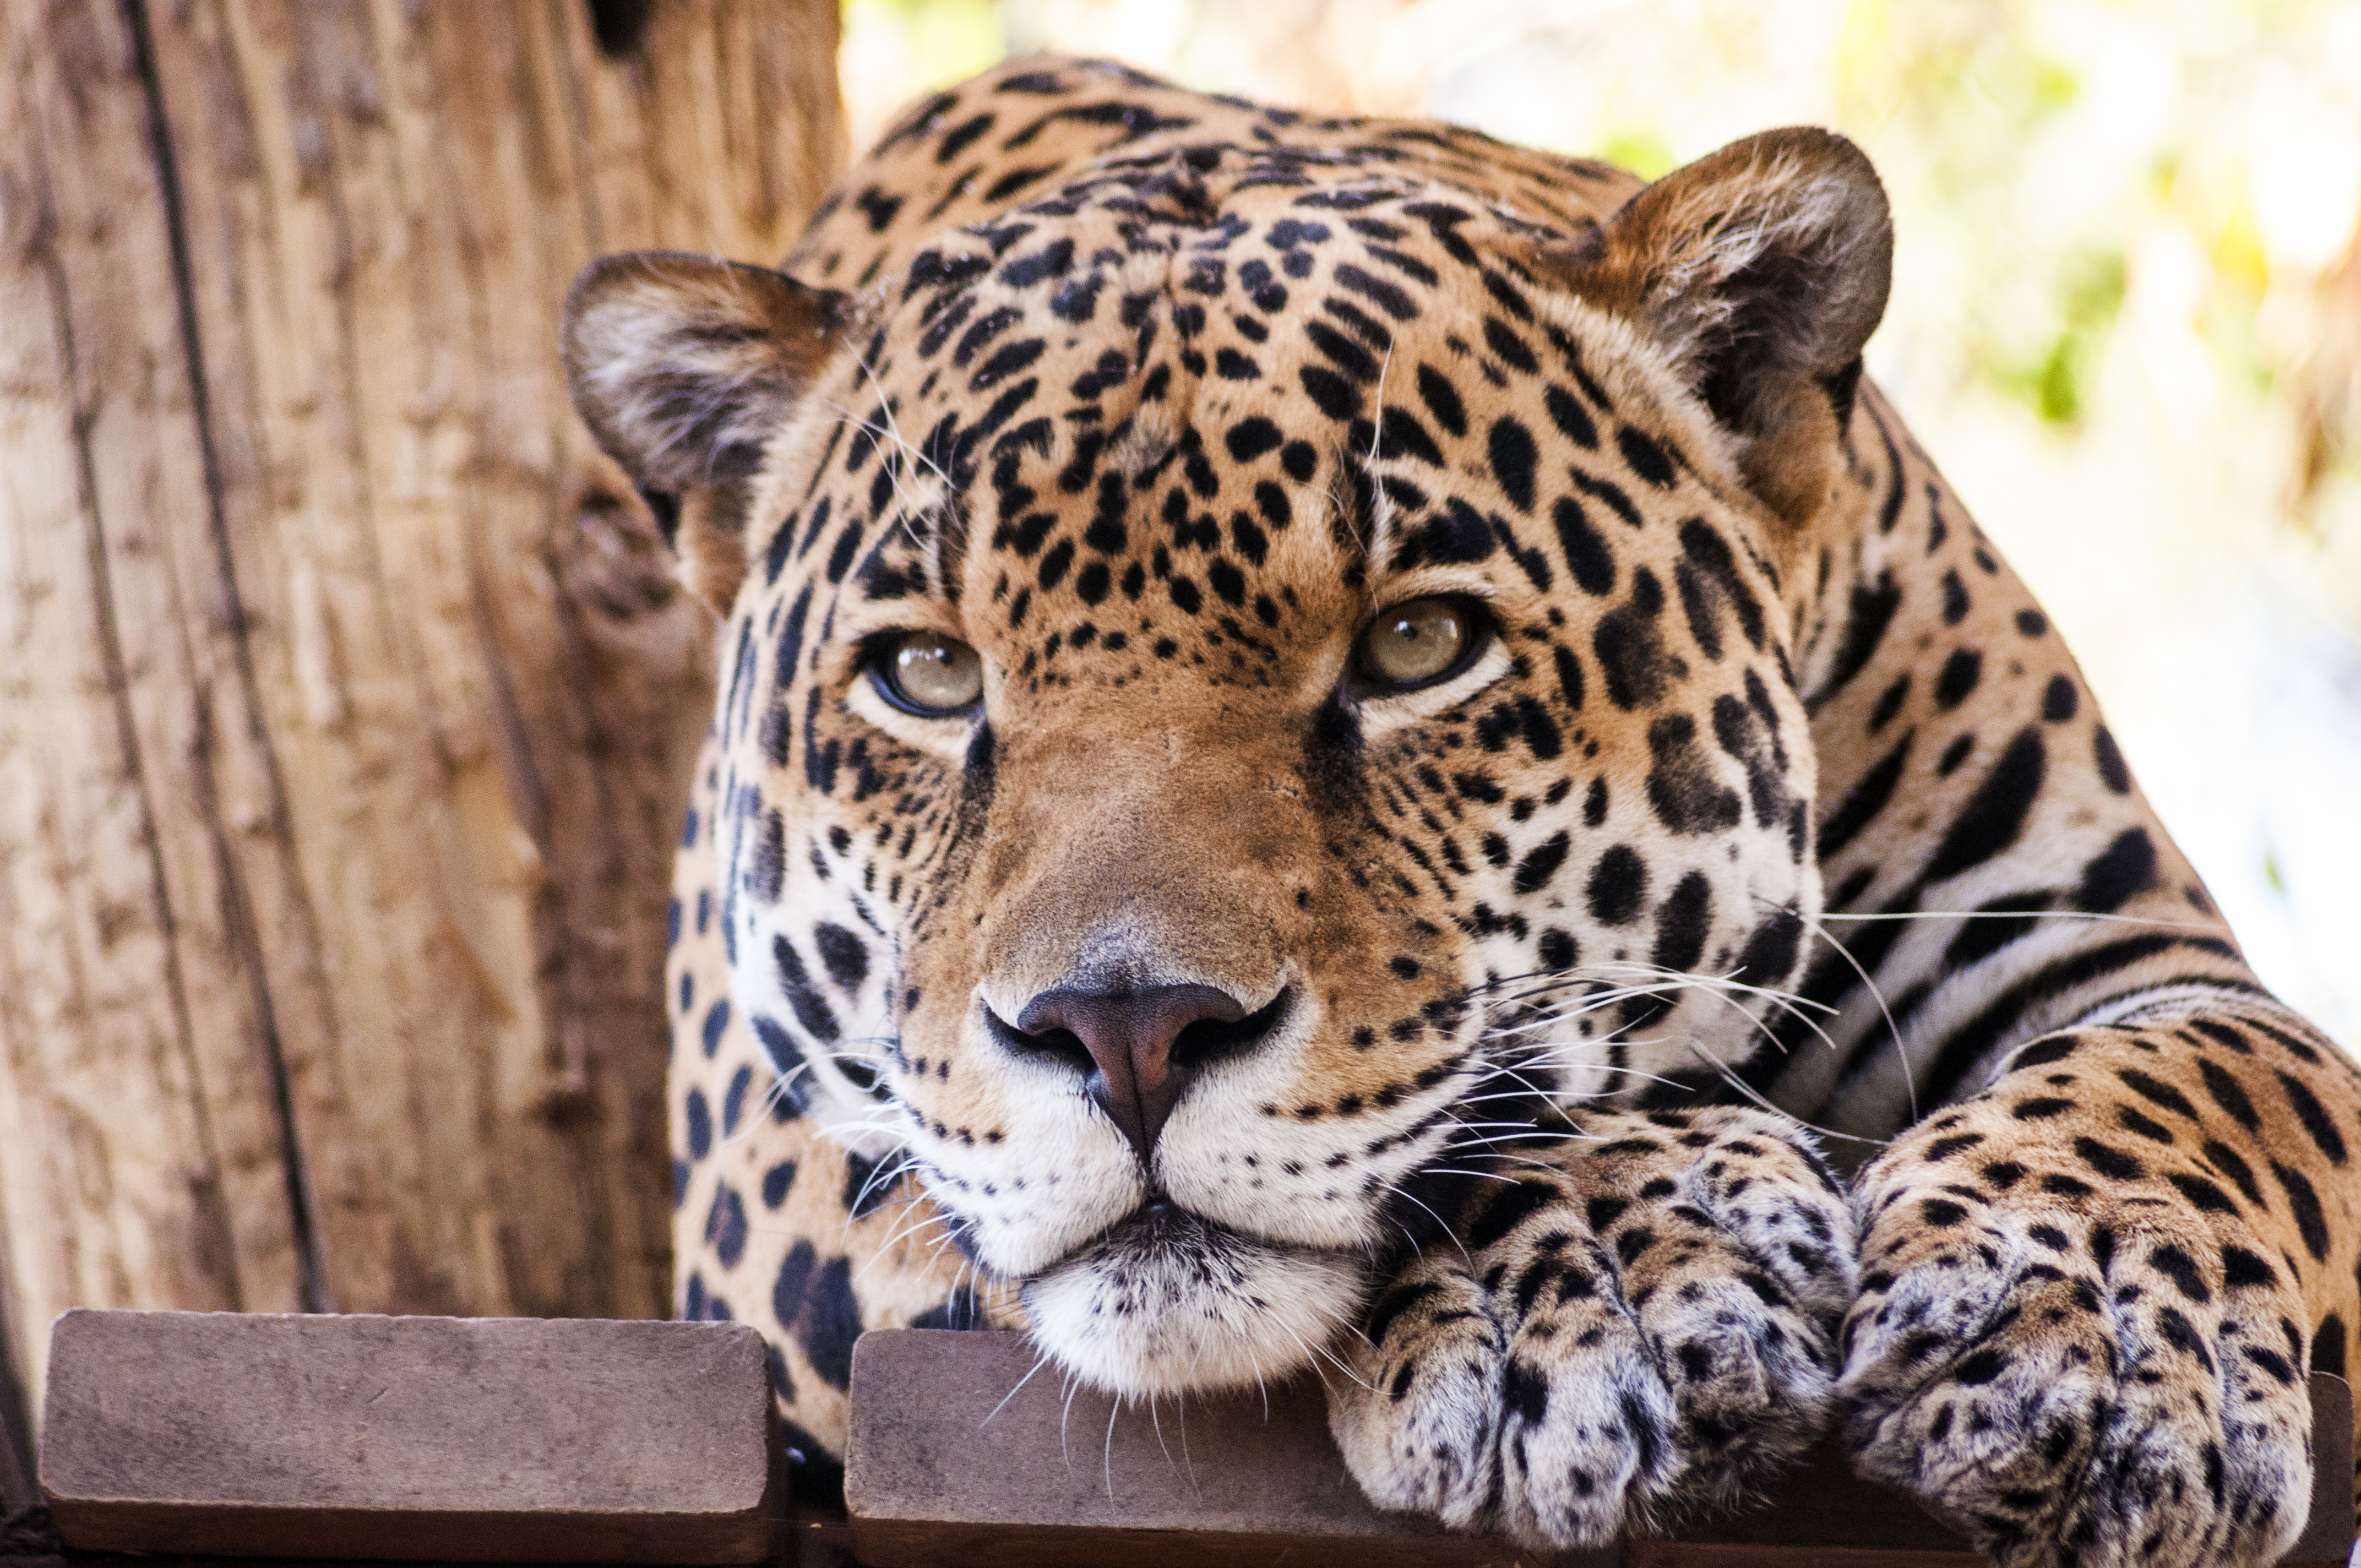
x: 1771, y: 787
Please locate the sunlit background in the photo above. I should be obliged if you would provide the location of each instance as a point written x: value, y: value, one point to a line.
x: 2127, y: 315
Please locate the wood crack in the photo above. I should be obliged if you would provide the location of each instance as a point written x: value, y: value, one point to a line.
x: 238, y: 915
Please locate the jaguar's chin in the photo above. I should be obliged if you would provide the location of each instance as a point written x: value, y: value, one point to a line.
x: 1167, y: 1301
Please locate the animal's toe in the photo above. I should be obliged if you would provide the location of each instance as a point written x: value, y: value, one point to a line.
x: 1418, y: 1420
x: 2145, y: 1416
x: 1588, y: 1448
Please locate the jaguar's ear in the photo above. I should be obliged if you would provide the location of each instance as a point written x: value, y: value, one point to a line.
x: 1761, y: 269
x: 684, y: 367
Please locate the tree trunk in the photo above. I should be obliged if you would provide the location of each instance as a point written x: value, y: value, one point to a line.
x: 349, y: 698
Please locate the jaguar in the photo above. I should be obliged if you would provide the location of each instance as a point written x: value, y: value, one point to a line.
x: 1343, y: 748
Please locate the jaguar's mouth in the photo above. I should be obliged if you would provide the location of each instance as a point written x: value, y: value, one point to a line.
x: 1165, y: 1301
x: 1159, y: 1228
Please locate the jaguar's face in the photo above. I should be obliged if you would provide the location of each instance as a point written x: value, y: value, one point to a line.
x: 1227, y: 718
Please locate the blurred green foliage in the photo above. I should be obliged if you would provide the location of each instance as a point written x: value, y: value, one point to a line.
x: 2087, y: 293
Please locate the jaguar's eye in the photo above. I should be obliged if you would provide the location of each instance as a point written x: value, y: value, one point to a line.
x: 928, y: 674
x: 1419, y: 642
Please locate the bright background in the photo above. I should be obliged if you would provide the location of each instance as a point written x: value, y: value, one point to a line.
x: 2127, y: 315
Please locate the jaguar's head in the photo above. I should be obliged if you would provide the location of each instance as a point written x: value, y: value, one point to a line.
x: 1236, y: 700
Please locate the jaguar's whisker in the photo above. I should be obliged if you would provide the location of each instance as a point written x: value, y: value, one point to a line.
x: 1398, y: 1191
x: 1106, y: 1455
x: 1893, y: 1029
x: 916, y: 1227
x: 1039, y: 1362
x: 2028, y: 914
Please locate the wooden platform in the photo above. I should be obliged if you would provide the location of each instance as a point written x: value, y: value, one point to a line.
x: 947, y: 1466
x: 219, y: 1439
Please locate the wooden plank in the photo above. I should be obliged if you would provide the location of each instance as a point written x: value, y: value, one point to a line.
x: 436, y: 1439
x: 956, y: 1458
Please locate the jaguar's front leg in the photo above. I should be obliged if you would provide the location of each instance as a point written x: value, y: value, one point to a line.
x: 1635, y: 1319
x: 2090, y: 1293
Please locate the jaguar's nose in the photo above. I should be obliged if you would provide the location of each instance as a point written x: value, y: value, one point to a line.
x: 1139, y: 1046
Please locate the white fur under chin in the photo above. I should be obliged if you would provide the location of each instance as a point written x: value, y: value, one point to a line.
x: 1178, y: 1306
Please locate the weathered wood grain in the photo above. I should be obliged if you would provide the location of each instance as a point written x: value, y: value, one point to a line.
x: 346, y: 701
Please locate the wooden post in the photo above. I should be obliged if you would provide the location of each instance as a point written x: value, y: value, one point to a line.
x: 347, y: 702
